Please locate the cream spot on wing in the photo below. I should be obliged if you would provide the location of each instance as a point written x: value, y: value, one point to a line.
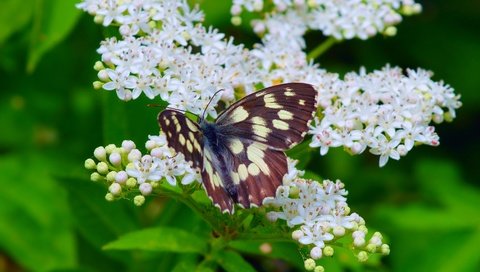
x: 289, y: 92
x: 236, y: 146
x: 178, y: 127
x: 189, y: 146
x: 270, y: 102
x: 167, y: 122
x: 239, y: 114
x: 279, y: 124
x: 191, y: 136
x: 192, y: 126
x: 181, y: 139
x: 285, y: 115
x: 301, y: 102
x: 235, y: 178
x: 242, y: 172
x: 216, y: 180
x: 258, y: 94
x: 197, y: 146
x: 253, y: 169
x: 169, y: 134
x: 259, y: 127
x: 255, y: 154
x: 208, y: 168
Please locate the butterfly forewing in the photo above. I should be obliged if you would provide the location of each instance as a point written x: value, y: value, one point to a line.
x: 183, y: 135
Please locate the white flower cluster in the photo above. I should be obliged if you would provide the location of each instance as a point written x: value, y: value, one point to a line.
x: 341, y: 19
x: 164, y: 51
x: 125, y: 169
x: 319, y: 214
x: 385, y: 111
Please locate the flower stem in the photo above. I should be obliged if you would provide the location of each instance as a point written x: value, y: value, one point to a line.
x: 321, y: 48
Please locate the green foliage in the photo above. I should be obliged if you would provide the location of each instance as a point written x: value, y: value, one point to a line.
x: 53, y: 218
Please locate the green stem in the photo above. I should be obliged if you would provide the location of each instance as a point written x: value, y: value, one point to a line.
x: 321, y: 48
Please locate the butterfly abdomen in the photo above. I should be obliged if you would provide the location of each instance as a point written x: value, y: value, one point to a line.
x: 214, y: 141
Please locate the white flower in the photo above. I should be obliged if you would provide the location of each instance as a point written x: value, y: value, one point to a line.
x: 148, y: 168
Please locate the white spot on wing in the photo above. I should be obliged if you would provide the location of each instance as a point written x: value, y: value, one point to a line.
x: 279, y: 124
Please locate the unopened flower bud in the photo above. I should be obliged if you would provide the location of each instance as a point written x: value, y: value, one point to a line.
x: 316, y: 253
x: 297, y: 234
x: 100, y: 153
x: 319, y: 268
x: 131, y: 182
x: 309, y: 264
x: 111, y: 176
x: 139, y: 200
x: 95, y: 177
x: 121, y: 177
x: 115, y: 189
x: 128, y: 145
x: 90, y: 164
x: 145, y: 188
x: 115, y: 159
x: 362, y: 256
x: 328, y: 251
x: 102, y: 168
x: 385, y: 249
x: 109, y: 197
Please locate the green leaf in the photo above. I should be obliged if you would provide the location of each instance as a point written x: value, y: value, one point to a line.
x: 14, y: 15
x: 36, y: 224
x: 98, y: 221
x: 160, y: 239
x: 53, y: 21
x: 232, y: 261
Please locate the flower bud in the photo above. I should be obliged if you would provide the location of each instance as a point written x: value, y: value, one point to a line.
x: 139, y: 200
x: 98, y: 66
x: 316, y: 253
x: 319, y: 268
x: 102, y: 168
x: 95, y: 177
x: 128, y: 145
x: 328, y: 251
x: 111, y: 176
x: 145, y: 188
x: 90, y: 164
x: 100, y: 153
x: 385, y: 249
x: 309, y: 264
x: 338, y: 231
x: 362, y: 256
x: 297, y: 235
x: 115, y: 159
x: 121, y: 177
x: 134, y: 155
x: 131, y: 182
x: 109, y: 197
x: 115, y: 189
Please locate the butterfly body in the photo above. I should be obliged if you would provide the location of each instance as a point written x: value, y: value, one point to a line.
x: 241, y: 155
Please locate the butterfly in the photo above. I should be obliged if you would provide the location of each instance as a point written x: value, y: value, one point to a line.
x: 241, y: 155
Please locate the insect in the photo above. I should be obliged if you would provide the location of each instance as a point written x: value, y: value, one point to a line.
x: 241, y: 155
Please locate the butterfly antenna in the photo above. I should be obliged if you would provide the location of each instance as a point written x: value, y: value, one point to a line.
x: 211, y: 99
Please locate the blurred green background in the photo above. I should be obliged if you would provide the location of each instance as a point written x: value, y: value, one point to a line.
x: 53, y: 218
